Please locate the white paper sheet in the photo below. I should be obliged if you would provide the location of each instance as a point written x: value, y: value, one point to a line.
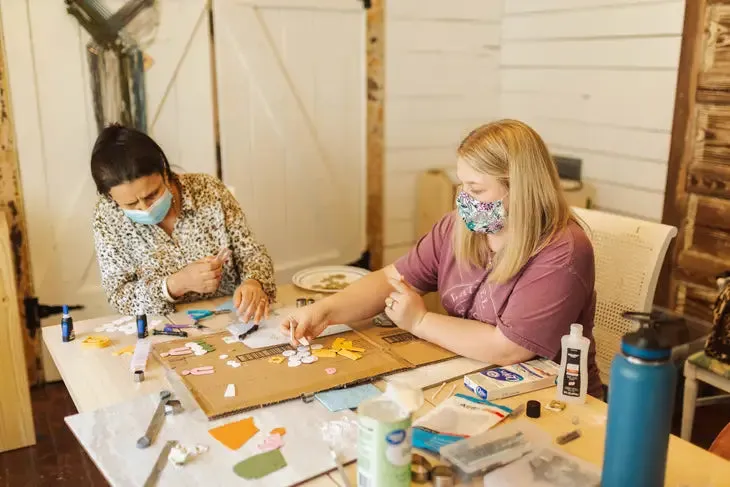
x: 269, y: 332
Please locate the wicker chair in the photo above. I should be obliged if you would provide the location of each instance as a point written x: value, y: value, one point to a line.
x: 629, y: 254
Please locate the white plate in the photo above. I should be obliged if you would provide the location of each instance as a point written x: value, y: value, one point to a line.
x: 310, y: 278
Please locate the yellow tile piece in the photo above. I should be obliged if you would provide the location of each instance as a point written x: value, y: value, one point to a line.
x: 349, y: 354
x: 324, y: 353
x: 96, y: 341
x: 122, y: 351
x: 276, y: 360
x: 339, y: 343
x: 354, y: 349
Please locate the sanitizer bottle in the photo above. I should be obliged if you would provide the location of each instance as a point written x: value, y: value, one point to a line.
x: 573, y: 375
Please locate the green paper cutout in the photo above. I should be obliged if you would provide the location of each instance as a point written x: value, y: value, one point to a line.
x: 260, y: 465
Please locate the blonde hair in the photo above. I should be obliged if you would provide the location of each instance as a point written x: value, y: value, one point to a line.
x: 515, y: 154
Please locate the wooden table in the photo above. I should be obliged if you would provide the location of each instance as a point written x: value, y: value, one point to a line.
x: 88, y: 375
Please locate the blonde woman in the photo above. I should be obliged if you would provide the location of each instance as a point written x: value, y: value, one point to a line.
x: 512, y: 265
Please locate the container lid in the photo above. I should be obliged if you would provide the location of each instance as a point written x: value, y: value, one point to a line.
x: 646, y: 343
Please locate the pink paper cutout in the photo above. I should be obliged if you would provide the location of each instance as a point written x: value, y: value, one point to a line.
x: 330, y: 370
x: 272, y: 442
x: 179, y: 351
x: 205, y: 370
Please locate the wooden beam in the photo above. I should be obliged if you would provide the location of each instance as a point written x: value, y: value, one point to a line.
x: 682, y: 142
x: 16, y: 415
x: 11, y: 203
x: 375, y: 130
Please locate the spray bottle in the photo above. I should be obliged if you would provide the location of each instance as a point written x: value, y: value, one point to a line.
x: 67, y: 326
x: 141, y: 325
x: 640, y: 407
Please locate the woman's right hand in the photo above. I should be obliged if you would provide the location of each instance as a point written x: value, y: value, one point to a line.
x: 307, y: 322
x: 202, y: 277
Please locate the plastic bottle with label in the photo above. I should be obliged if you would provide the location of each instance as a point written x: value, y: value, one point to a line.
x: 573, y: 375
x: 385, y: 437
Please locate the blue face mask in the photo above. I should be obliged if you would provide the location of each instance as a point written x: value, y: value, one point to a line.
x: 155, y: 213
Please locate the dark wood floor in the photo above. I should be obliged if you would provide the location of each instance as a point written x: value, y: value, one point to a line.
x: 58, y: 460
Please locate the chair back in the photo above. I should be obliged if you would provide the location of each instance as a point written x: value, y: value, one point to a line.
x: 628, y: 256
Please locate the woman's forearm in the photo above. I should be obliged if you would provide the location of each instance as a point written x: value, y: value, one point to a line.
x: 470, y: 338
x: 360, y: 300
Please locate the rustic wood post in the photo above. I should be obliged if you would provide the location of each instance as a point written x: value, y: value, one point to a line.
x: 375, y: 130
x: 11, y: 203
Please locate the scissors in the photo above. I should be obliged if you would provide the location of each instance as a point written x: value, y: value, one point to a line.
x: 199, y: 315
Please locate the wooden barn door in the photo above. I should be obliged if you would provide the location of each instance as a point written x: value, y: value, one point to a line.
x: 56, y: 129
x: 291, y: 100
x: 698, y: 185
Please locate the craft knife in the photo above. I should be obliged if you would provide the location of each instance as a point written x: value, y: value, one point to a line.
x: 155, y: 422
x: 170, y: 332
x: 159, y: 465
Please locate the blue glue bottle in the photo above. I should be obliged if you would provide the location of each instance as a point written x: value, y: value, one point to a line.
x: 67, y: 326
x: 640, y: 406
x: 142, y: 326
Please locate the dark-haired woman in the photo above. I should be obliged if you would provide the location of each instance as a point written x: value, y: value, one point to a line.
x: 163, y: 238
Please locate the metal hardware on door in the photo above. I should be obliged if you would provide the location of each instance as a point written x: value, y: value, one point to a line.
x: 366, y: 4
x: 35, y: 312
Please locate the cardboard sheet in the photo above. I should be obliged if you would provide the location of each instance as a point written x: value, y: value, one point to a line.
x: 405, y: 345
x: 260, y: 382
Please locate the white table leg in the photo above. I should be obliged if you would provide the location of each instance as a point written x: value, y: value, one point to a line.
x: 690, y: 400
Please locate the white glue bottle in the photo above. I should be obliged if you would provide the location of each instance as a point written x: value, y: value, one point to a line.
x: 573, y: 375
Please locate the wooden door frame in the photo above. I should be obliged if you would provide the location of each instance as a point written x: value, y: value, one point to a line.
x: 375, y: 126
x: 681, y: 146
x: 11, y: 203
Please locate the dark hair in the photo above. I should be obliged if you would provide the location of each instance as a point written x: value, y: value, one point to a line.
x: 121, y: 155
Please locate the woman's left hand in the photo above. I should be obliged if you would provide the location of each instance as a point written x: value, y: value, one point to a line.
x: 251, y: 301
x: 404, y: 305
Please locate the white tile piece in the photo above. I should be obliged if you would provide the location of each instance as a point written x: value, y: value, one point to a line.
x: 230, y: 391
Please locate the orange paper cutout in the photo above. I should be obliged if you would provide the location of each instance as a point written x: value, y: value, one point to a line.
x: 278, y: 431
x: 235, y: 435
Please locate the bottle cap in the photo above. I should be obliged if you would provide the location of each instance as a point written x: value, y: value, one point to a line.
x: 533, y: 409
x: 576, y: 329
x: 65, y: 309
x: 646, y: 343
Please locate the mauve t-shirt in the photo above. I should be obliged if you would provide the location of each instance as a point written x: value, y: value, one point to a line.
x: 534, y: 309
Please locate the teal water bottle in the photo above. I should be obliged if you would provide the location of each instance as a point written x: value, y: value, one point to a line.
x: 640, y: 407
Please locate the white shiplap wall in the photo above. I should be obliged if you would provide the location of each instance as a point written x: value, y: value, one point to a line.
x: 442, y: 80
x: 597, y: 78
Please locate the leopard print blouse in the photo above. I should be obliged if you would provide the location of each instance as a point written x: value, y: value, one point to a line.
x: 135, y: 259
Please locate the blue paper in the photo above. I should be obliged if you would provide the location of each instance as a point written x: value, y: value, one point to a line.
x: 227, y: 306
x: 431, y: 441
x: 347, y: 398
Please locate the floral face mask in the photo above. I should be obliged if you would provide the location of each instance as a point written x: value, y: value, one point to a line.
x: 481, y: 217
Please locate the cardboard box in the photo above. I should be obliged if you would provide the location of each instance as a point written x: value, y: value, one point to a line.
x: 510, y: 380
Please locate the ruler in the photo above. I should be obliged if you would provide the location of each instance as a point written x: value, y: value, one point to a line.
x: 159, y: 464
